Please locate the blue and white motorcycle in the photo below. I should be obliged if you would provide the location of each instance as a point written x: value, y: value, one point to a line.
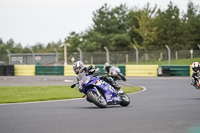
x: 99, y: 92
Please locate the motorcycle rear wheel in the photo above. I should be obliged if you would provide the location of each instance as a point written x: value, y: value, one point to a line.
x: 125, y: 100
x: 97, y: 100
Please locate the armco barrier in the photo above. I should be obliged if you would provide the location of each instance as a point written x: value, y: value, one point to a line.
x: 178, y: 70
x: 24, y: 70
x: 142, y: 70
x: 49, y: 70
x: 3, y: 70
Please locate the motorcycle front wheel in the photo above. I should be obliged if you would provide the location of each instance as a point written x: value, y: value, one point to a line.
x: 97, y: 100
x: 125, y: 100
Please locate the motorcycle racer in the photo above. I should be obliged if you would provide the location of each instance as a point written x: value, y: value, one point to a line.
x: 79, y: 67
x: 196, y: 74
x: 107, y: 68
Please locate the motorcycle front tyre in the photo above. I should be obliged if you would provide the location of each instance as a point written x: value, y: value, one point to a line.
x: 97, y: 100
x: 125, y: 100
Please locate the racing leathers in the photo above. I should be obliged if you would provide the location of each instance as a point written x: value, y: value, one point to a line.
x: 195, y: 77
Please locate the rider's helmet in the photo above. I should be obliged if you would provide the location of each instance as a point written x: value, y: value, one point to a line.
x: 106, y: 64
x: 77, y: 66
x: 195, y: 66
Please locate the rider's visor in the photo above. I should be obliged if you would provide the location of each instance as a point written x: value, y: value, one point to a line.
x: 195, y: 69
x: 77, y: 70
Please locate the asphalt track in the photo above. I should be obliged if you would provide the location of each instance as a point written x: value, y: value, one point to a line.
x: 169, y: 105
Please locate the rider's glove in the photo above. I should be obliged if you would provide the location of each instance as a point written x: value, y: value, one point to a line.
x: 73, y: 85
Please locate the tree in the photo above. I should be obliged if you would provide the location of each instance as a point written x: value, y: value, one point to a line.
x: 75, y: 40
x: 170, y: 31
x: 191, y: 21
x: 109, y: 29
x: 145, y: 29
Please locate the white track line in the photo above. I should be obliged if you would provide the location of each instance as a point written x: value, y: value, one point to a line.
x: 143, y: 89
x: 50, y: 101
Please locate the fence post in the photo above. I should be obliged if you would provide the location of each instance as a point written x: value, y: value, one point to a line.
x: 9, y: 57
x: 176, y: 55
x: 80, y: 54
x: 127, y: 58
x: 146, y: 57
x: 56, y: 59
x: 136, y: 54
x: 161, y: 56
x: 169, y: 54
x: 107, y: 55
x: 191, y: 52
x: 91, y: 59
x: 33, y: 60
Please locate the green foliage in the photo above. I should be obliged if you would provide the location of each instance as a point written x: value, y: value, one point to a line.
x: 145, y: 29
x: 109, y: 29
x: 191, y: 25
x: 170, y: 31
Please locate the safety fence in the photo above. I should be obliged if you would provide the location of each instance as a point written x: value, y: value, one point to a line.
x: 115, y: 57
x: 67, y: 70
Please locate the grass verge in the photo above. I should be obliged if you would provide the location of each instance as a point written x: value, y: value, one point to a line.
x: 19, y: 94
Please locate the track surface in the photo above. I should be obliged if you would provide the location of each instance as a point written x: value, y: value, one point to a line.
x: 170, y: 105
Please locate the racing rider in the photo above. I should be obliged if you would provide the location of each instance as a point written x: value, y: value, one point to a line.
x: 196, y: 74
x: 79, y: 67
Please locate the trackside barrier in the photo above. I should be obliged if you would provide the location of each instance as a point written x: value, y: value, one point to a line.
x: 3, y: 70
x: 100, y: 68
x: 123, y: 70
x: 24, y: 70
x: 49, y: 70
x: 142, y: 70
x: 68, y: 70
x: 191, y: 71
x: 178, y: 70
x: 10, y: 71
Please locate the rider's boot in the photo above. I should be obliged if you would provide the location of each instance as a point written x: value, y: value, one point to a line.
x: 111, y: 82
x: 115, y: 85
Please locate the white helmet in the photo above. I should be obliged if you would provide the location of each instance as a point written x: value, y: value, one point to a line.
x: 77, y: 66
x: 195, y: 66
x: 106, y: 64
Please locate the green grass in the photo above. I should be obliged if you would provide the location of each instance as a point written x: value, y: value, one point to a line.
x: 19, y: 94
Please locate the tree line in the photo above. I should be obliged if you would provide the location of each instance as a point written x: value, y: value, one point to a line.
x: 121, y: 28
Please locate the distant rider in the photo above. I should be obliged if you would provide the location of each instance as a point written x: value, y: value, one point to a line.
x: 195, y: 75
x: 79, y: 67
x: 107, y: 68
